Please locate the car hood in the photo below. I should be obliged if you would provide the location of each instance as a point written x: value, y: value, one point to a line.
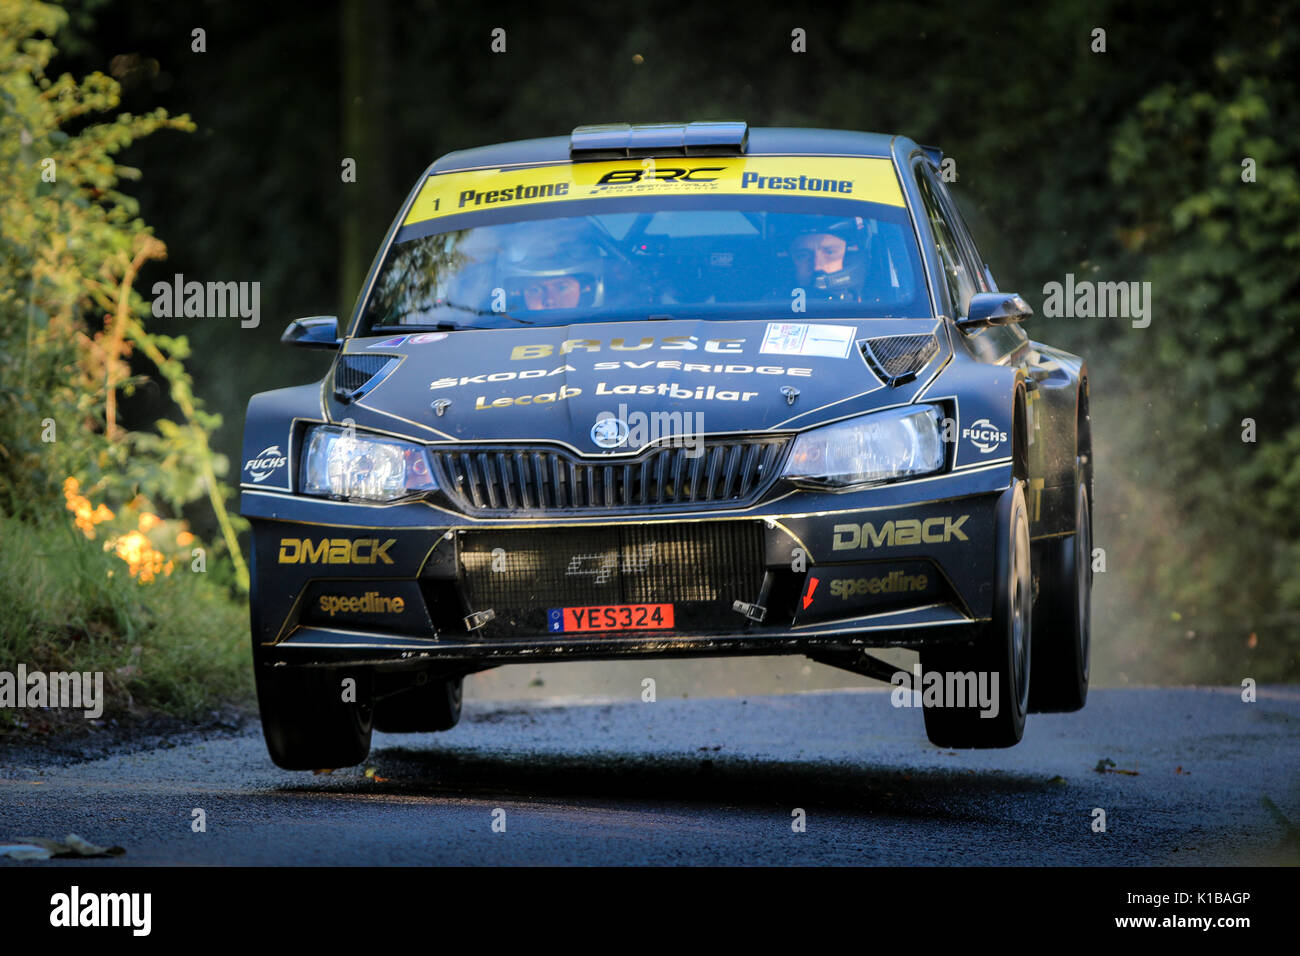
x: 552, y: 384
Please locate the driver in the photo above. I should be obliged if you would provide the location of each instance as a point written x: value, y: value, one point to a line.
x: 815, y: 252
x: 554, y: 269
x: 826, y: 260
x: 552, y: 292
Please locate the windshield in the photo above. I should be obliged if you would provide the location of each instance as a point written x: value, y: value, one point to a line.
x: 638, y: 256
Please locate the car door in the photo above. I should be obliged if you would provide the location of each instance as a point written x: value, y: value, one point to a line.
x: 1008, y: 344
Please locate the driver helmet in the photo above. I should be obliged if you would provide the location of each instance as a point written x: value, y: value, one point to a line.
x: 553, y: 268
x: 845, y: 283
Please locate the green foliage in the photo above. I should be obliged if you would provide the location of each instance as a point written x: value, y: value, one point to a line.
x: 1220, y: 254
x: 178, y: 645
x: 71, y: 321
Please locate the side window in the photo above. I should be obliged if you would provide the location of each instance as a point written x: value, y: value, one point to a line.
x: 961, y: 285
x: 994, y: 342
x: 970, y: 255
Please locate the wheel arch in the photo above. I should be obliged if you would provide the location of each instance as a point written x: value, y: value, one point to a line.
x: 1083, y: 437
x: 1020, y: 434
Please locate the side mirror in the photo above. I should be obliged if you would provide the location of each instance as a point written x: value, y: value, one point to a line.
x: 994, y: 308
x: 316, y: 332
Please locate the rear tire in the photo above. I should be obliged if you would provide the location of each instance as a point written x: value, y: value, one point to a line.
x: 1063, y: 618
x: 433, y: 705
x: 1002, y: 650
x: 307, y: 723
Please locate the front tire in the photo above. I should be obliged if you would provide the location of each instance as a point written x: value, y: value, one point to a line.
x: 433, y: 705
x: 313, y: 721
x: 1062, y: 632
x: 1000, y: 654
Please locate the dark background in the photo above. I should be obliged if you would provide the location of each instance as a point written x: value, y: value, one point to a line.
x: 1115, y: 166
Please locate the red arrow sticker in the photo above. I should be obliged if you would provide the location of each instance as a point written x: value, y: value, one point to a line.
x: 807, y: 598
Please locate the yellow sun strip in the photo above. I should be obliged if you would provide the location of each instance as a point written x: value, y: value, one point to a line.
x: 864, y: 179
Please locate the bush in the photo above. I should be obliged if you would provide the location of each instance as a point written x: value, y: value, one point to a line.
x: 108, y: 587
x: 178, y: 644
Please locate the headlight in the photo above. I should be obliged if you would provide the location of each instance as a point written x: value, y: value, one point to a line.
x: 899, y: 443
x: 343, y: 464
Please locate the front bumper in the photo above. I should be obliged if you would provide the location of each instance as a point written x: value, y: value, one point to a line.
x: 898, y: 565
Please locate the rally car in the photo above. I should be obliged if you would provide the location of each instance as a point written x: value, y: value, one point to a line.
x: 666, y: 391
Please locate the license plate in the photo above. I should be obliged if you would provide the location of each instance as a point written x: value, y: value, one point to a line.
x: 611, y: 617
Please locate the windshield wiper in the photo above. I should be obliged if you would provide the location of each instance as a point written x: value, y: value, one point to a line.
x: 484, y: 312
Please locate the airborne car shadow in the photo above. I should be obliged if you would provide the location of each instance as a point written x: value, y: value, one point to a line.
x: 702, y: 778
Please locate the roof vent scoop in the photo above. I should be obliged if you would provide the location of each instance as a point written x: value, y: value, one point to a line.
x: 896, y: 359
x: 625, y: 141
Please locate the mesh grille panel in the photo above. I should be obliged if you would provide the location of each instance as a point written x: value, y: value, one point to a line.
x: 897, y: 356
x: 353, y: 371
x: 487, y: 480
x: 701, y: 568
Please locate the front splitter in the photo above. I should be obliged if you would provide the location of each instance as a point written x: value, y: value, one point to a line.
x: 905, y: 628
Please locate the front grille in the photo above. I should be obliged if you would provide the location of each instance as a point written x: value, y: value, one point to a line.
x: 701, y: 568
x: 504, y: 481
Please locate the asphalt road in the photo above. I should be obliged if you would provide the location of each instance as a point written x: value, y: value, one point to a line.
x: 710, y: 781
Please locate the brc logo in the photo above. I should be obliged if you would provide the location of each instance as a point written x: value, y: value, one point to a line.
x: 892, y: 534
x: 664, y: 173
x: 335, y: 551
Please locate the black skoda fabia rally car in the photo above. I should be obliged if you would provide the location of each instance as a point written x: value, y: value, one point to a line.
x: 659, y: 391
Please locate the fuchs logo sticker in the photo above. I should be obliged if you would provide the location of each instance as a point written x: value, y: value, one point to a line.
x: 428, y: 337
x: 267, y: 461
x: 984, y: 435
x: 609, y: 432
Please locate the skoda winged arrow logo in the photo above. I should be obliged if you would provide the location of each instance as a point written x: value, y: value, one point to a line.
x: 609, y: 432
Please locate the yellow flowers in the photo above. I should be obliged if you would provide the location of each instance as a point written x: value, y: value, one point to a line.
x: 85, y: 516
x: 144, y: 558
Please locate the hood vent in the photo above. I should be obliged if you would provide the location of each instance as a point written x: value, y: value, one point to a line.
x: 354, y: 375
x: 897, y: 359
